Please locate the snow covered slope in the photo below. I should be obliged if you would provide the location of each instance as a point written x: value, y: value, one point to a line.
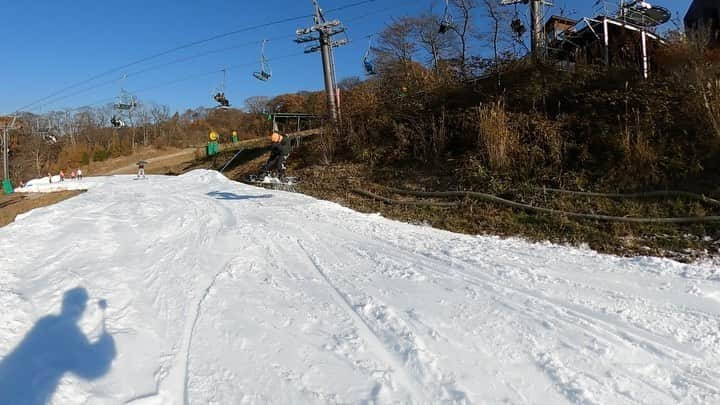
x: 222, y: 293
x: 44, y: 185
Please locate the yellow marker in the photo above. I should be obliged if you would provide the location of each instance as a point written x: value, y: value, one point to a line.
x: 234, y: 133
x: 213, y: 136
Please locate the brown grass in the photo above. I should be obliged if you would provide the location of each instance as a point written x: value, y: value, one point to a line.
x: 126, y: 164
x: 14, y: 204
x: 711, y: 101
x: 494, y: 135
x: 637, y: 142
x: 328, y: 140
x: 159, y: 164
x: 681, y: 242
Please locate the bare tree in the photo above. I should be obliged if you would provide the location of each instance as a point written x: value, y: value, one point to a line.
x: 497, y: 35
x: 85, y: 119
x: 435, y: 44
x: 39, y: 155
x: 349, y: 82
x: 257, y: 104
x: 102, y: 115
x: 463, y: 30
x: 159, y: 113
x: 396, y: 42
x: 144, y: 119
x: 69, y: 126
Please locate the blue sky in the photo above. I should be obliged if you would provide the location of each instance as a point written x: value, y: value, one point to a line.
x: 49, y: 45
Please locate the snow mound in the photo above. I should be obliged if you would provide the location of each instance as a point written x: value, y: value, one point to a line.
x: 199, y: 290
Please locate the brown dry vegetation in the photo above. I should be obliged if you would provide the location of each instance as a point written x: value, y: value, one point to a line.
x: 507, y: 126
x: 683, y: 242
x: 87, y: 141
x: 425, y: 128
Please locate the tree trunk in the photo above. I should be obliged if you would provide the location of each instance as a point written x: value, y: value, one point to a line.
x: 37, y: 162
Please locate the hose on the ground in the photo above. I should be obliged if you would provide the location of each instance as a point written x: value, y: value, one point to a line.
x: 495, y: 199
x: 404, y: 202
x: 647, y: 194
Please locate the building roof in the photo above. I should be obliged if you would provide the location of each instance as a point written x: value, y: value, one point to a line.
x: 589, y: 30
x: 697, y: 6
x: 698, y: 10
x: 5, y: 121
x: 562, y: 19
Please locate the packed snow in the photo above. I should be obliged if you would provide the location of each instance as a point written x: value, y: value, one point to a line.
x: 199, y: 290
x: 52, y: 184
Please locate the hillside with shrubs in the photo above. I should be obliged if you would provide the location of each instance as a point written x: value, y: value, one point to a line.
x: 469, y: 111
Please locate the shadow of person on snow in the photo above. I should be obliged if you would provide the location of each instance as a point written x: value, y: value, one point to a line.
x: 29, y: 375
x: 219, y: 195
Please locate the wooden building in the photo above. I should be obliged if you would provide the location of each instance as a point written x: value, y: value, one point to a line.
x: 556, y: 26
x: 605, y: 41
x: 703, y: 18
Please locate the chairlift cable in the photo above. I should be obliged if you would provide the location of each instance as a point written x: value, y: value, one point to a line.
x: 159, y: 66
x: 181, y: 47
x: 214, y: 72
x: 157, y: 55
x: 179, y: 80
x: 198, y: 55
x: 395, y: 5
x: 183, y: 79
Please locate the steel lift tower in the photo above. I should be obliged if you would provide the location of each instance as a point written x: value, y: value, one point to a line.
x: 6, y: 184
x: 322, y: 32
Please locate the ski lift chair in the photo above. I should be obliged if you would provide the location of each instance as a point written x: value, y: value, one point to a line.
x: 445, y: 26
x: 116, y: 122
x: 262, y: 75
x: 125, y: 106
x: 369, y: 67
x: 446, y: 23
x: 518, y: 27
x: 221, y: 99
x: 42, y: 127
x: 265, y: 73
x: 125, y: 101
x: 368, y: 63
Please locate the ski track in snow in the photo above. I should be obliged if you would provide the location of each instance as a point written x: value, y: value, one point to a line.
x: 222, y: 293
x: 369, y: 333
x: 192, y: 332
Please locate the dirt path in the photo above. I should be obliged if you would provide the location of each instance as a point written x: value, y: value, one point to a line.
x: 159, y: 164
